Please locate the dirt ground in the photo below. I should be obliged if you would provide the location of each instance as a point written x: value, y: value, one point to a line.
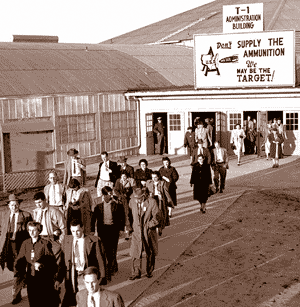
x: 248, y: 256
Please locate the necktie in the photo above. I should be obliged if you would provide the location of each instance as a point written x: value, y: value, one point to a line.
x: 93, y: 303
x: 77, y: 255
x: 12, y: 225
x: 74, y: 167
x: 53, y: 194
x: 41, y: 216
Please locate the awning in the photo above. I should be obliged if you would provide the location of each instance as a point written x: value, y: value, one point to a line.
x: 27, y: 126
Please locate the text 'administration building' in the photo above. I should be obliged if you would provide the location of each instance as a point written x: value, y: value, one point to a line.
x: 227, y: 104
x: 54, y: 97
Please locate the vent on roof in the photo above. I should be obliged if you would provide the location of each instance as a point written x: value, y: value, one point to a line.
x: 35, y: 39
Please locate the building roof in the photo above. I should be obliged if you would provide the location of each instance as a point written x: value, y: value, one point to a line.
x: 51, y: 68
x: 278, y: 15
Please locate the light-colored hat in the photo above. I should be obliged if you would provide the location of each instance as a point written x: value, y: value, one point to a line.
x: 13, y: 197
x: 138, y: 193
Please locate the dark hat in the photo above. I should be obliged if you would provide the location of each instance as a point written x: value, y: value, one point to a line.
x: 159, y: 117
x: 72, y: 152
x: 138, y: 193
x: 13, y: 197
x: 122, y: 159
x: 190, y: 128
x: 200, y: 141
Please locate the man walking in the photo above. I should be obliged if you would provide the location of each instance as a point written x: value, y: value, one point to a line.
x: 80, y: 251
x: 51, y: 218
x: 159, y: 129
x: 54, y: 192
x: 74, y: 168
x: 219, y: 166
x: 145, y: 219
x: 94, y: 295
x: 13, y: 223
x: 190, y: 143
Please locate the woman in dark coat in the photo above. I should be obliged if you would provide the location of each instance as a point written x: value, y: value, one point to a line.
x: 201, y: 179
x: 110, y: 218
x: 142, y: 174
x: 170, y: 175
x: 275, y: 140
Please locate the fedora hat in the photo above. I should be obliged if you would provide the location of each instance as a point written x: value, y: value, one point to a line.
x: 122, y: 159
x: 72, y: 152
x: 13, y: 197
x: 138, y: 193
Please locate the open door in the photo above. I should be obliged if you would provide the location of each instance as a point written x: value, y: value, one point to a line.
x: 149, y: 134
x: 221, y: 129
x: 233, y: 119
x: 262, y: 130
x: 291, y: 131
x: 176, y: 133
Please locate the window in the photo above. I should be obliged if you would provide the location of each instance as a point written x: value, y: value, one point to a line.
x: 149, y: 122
x: 291, y: 121
x: 76, y: 128
x: 234, y: 119
x: 175, y: 122
x: 119, y: 124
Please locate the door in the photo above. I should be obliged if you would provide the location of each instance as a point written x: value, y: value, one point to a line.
x: 291, y: 129
x: 221, y: 129
x: 234, y: 118
x: 176, y: 133
x: 262, y: 121
x: 149, y: 134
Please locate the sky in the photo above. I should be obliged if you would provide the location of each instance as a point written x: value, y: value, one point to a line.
x: 86, y: 21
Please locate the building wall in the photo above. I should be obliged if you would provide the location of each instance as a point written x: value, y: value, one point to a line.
x: 230, y: 111
x: 89, y: 123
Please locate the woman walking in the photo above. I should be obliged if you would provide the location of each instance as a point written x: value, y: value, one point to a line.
x: 275, y: 140
x: 237, y: 142
x: 170, y: 175
x: 267, y: 142
x: 201, y: 180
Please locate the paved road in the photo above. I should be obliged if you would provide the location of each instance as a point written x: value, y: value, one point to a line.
x: 187, y: 223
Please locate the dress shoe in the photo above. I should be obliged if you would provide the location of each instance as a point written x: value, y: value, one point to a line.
x: 16, y: 300
x: 201, y: 210
x: 204, y: 210
x: 149, y: 275
x: 134, y: 277
x: 221, y: 191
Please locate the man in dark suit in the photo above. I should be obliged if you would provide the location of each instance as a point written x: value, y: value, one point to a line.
x: 203, y: 151
x: 13, y: 233
x: 190, y: 143
x: 74, y: 168
x: 125, y: 167
x: 79, y: 252
x: 93, y: 295
x: 159, y: 129
x: 219, y: 165
x: 107, y: 175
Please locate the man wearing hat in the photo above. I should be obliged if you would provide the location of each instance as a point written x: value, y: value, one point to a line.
x: 159, y: 129
x: 146, y: 217
x: 125, y: 167
x: 13, y: 223
x: 190, y: 143
x: 74, y: 168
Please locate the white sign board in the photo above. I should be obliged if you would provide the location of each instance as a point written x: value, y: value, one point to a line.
x: 243, y: 18
x: 261, y: 59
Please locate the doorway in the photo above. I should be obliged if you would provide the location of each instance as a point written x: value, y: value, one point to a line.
x: 275, y: 114
x: 164, y: 117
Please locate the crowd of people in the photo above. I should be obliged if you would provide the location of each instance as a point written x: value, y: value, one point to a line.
x: 70, y: 240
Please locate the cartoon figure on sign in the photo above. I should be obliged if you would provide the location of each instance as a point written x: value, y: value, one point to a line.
x: 210, y: 62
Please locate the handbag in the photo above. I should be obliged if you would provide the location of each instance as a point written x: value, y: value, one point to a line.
x: 233, y: 146
x: 211, y: 190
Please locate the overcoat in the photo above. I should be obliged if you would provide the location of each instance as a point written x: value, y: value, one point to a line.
x: 144, y: 236
x: 163, y: 202
x: 94, y: 256
x: 172, y: 174
x: 107, y: 299
x: 140, y: 175
x: 201, y: 179
x: 273, y: 145
x: 68, y: 171
x: 21, y: 235
x: 237, y: 138
x: 128, y: 169
x: 86, y: 205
